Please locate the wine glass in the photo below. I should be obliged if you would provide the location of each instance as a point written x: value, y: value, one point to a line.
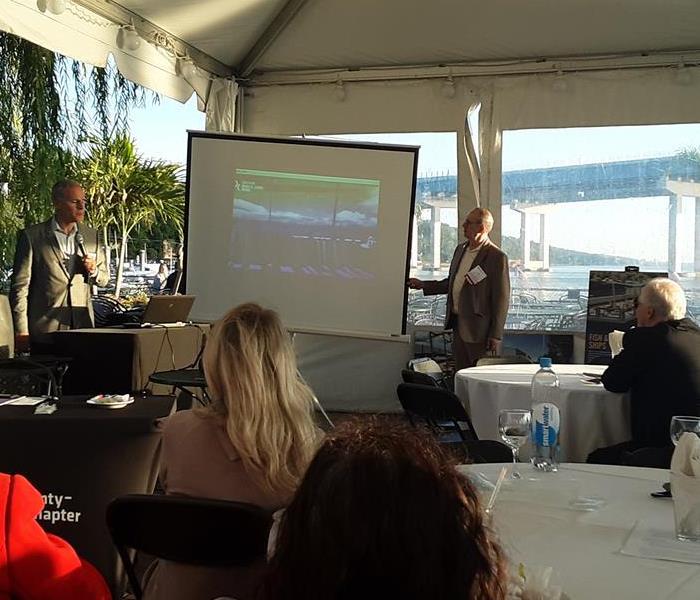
x: 514, y: 427
x: 680, y: 424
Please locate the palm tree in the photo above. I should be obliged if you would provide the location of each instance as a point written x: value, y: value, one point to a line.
x: 126, y: 191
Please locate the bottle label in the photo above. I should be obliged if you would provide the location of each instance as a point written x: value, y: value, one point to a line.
x: 545, y: 424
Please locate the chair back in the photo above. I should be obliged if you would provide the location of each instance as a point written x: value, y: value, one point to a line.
x: 427, y: 366
x: 409, y: 376
x: 437, y: 407
x: 515, y: 359
x: 7, y: 330
x: 193, y: 531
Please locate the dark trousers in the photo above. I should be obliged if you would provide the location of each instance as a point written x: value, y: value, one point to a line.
x: 465, y: 353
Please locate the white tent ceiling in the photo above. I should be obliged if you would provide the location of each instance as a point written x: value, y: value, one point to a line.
x: 248, y: 38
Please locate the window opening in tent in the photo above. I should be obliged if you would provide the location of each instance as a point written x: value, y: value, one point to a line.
x: 596, y: 198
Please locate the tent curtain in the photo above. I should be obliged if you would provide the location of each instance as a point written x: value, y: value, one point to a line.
x: 221, y: 105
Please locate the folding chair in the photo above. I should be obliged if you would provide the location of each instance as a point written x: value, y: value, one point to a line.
x: 409, y: 376
x: 192, y: 531
x: 427, y: 366
x: 443, y: 413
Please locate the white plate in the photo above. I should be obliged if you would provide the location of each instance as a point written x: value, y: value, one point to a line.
x: 107, y: 402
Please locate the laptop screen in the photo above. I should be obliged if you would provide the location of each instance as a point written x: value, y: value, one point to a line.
x: 168, y: 309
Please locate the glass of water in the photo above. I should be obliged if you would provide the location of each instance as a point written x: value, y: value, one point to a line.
x: 681, y: 424
x: 514, y: 427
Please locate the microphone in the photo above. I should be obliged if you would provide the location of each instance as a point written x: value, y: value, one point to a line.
x: 80, y: 240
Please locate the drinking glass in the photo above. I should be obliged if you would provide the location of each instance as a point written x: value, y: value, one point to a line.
x: 514, y: 427
x: 681, y: 424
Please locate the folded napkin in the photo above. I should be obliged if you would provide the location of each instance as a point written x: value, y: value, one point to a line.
x: 686, y: 456
x: 615, y: 341
x: 685, y: 485
x: 532, y: 583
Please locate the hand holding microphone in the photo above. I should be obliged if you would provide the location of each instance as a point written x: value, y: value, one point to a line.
x: 89, y: 263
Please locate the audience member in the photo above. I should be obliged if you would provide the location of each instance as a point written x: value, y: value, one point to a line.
x: 160, y: 279
x: 660, y: 367
x: 252, y: 444
x: 381, y: 513
x: 35, y: 564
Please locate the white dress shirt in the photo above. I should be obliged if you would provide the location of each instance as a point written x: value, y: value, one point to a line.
x: 66, y: 241
x: 464, y: 266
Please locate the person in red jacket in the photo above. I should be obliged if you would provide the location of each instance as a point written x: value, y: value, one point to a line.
x: 35, y: 565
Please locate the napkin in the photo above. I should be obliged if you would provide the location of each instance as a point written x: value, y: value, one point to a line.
x: 686, y: 456
x: 685, y: 485
x: 532, y: 583
x: 615, y: 341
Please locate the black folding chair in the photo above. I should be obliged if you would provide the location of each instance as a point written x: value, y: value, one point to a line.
x: 427, y: 366
x: 192, y: 531
x: 409, y: 376
x: 444, y: 414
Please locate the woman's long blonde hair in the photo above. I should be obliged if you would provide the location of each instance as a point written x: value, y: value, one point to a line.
x: 252, y: 378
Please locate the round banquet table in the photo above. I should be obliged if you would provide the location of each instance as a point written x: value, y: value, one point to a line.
x: 592, y: 552
x: 591, y: 417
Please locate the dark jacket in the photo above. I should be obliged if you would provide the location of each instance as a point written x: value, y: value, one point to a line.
x: 660, y: 367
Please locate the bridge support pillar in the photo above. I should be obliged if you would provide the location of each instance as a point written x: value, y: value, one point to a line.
x: 541, y: 262
x: 437, y: 236
x: 674, y: 250
x: 544, y: 243
x: 696, y: 255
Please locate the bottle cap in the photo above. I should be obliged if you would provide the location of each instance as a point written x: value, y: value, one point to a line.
x: 545, y: 362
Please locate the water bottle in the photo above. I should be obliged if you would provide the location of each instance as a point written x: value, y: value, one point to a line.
x: 545, y: 417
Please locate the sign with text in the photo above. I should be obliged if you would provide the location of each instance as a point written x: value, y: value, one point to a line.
x: 611, y: 299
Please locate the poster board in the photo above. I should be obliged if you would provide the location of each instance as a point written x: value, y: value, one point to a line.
x: 611, y: 296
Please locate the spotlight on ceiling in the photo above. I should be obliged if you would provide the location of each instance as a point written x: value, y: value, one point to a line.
x: 128, y: 38
x: 684, y: 75
x: 339, y: 91
x: 56, y: 7
x: 186, y: 67
x: 448, y: 87
x: 560, y: 84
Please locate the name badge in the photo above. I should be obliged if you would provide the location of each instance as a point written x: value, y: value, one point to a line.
x: 476, y: 275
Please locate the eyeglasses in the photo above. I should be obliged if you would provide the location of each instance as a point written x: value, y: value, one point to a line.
x: 77, y: 203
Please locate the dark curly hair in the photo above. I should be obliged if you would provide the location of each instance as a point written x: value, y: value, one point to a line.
x: 382, y: 511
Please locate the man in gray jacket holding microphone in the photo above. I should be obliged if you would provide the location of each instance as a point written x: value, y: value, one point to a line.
x: 56, y: 264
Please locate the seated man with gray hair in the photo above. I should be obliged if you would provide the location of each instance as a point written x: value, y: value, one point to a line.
x: 660, y: 367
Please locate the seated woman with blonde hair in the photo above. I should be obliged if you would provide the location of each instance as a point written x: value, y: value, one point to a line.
x: 383, y: 513
x: 251, y: 444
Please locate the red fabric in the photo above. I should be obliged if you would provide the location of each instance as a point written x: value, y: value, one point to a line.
x: 35, y: 565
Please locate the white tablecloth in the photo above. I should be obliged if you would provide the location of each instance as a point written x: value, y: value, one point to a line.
x: 537, y: 527
x: 591, y: 417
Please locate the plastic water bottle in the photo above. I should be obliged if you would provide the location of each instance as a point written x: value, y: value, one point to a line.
x: 545, y: 417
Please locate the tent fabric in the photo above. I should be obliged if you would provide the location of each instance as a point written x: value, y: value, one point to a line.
x: 82, y: 35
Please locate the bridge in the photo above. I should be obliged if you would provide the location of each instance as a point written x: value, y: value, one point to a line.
x: 533, y: 192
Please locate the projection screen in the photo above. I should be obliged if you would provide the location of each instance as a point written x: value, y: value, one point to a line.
x: 317, y: 230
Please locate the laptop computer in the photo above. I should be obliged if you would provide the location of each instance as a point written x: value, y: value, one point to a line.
x: 162, y: 310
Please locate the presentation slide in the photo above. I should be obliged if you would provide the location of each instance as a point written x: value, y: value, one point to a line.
x: 317, y: 231
x: 296, y: 223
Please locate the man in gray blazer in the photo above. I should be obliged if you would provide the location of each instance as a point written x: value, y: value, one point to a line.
x: 56, y: 264
x: 478, y: 292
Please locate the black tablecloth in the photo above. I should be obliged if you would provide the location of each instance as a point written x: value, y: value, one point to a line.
x: 80, y: 458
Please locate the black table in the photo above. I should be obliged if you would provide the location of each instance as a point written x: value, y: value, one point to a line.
x: 182, y: 379
x: 80, y: 458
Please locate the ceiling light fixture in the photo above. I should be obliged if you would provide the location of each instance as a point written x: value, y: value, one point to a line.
x: 56, y: 7
x: 560, y: 84
x: 448, y: 87
x: 128, y: 38
x: 684, y: 76
x: 339, y: 91
x: 186, y: 67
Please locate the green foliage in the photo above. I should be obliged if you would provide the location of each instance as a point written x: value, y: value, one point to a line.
x: 47, y: 104
x: 126, y: 191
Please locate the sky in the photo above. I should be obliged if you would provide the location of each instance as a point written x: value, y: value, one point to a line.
x: 631, y: 227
